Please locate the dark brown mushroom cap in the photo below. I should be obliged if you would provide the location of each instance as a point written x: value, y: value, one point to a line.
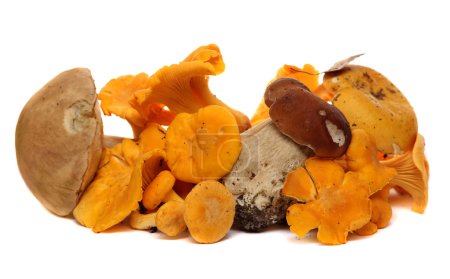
x: 307, y: 119
x: 281, y: 87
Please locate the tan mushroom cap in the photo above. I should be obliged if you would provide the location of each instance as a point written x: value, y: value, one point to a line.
x: 371, y: 102
x: 59, y: 138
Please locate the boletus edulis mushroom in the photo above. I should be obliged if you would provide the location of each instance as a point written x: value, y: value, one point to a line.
x: 59, y: 140
x: 307, y: 119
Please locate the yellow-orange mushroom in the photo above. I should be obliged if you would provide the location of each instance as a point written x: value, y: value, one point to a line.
x: 412, y: 173
x: 209, y: 211
x: 204, y: 145
x: 342, y: 204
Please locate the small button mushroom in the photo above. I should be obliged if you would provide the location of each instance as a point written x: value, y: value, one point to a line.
x: 307, y: 119
x: 59, y: 138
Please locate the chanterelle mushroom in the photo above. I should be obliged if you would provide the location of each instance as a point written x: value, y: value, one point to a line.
x: 412, y: 173
x: 182, y: 87
x: 59, y: 138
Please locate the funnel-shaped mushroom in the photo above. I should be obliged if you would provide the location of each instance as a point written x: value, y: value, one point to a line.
x: 184, y: 87
x: 180, y: 87
x: 342, y: 203
x: 371, y: 102
x: 115, y: 96
x: 412, y: 174
x: 361, y: 157
x: 308, y: 75
x: 116, y: 189
x: 381, y: 212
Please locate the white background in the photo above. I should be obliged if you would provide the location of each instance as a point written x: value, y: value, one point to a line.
x: 406, y: 41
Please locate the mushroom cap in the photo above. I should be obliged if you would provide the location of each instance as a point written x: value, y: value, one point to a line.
x: 152, y: 137
x: 59, y: 138
x: 170, y: 218
x: 371, y: 102
x: 299, y: 185
x: 209, y: 211
x: 183, y: 87
x: 116, y: 190
x: 204, y: 145
x: 116, y: 94
x: 342, y: 203
x: 307, y: 119
x: 362, y: 159
x: 308, y: 75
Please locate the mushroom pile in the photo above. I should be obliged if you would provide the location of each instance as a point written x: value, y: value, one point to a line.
x: 316, y: 155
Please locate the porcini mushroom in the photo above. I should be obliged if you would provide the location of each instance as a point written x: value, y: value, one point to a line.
x: 307, y: 119
x: 308, y: 76
x: 209, y: 211
x: 59, y: 138
x: 371, y: 102
x: 257, y: 178
x: 412, y: 173
x: 204, y: 145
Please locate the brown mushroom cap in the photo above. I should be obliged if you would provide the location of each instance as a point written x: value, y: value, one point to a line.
x: 307, y: 119
x: 59, y: 140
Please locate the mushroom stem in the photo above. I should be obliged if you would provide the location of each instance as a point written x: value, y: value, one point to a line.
x: 172, y: 196
x: 140, y: 221
x: 412, y: 174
